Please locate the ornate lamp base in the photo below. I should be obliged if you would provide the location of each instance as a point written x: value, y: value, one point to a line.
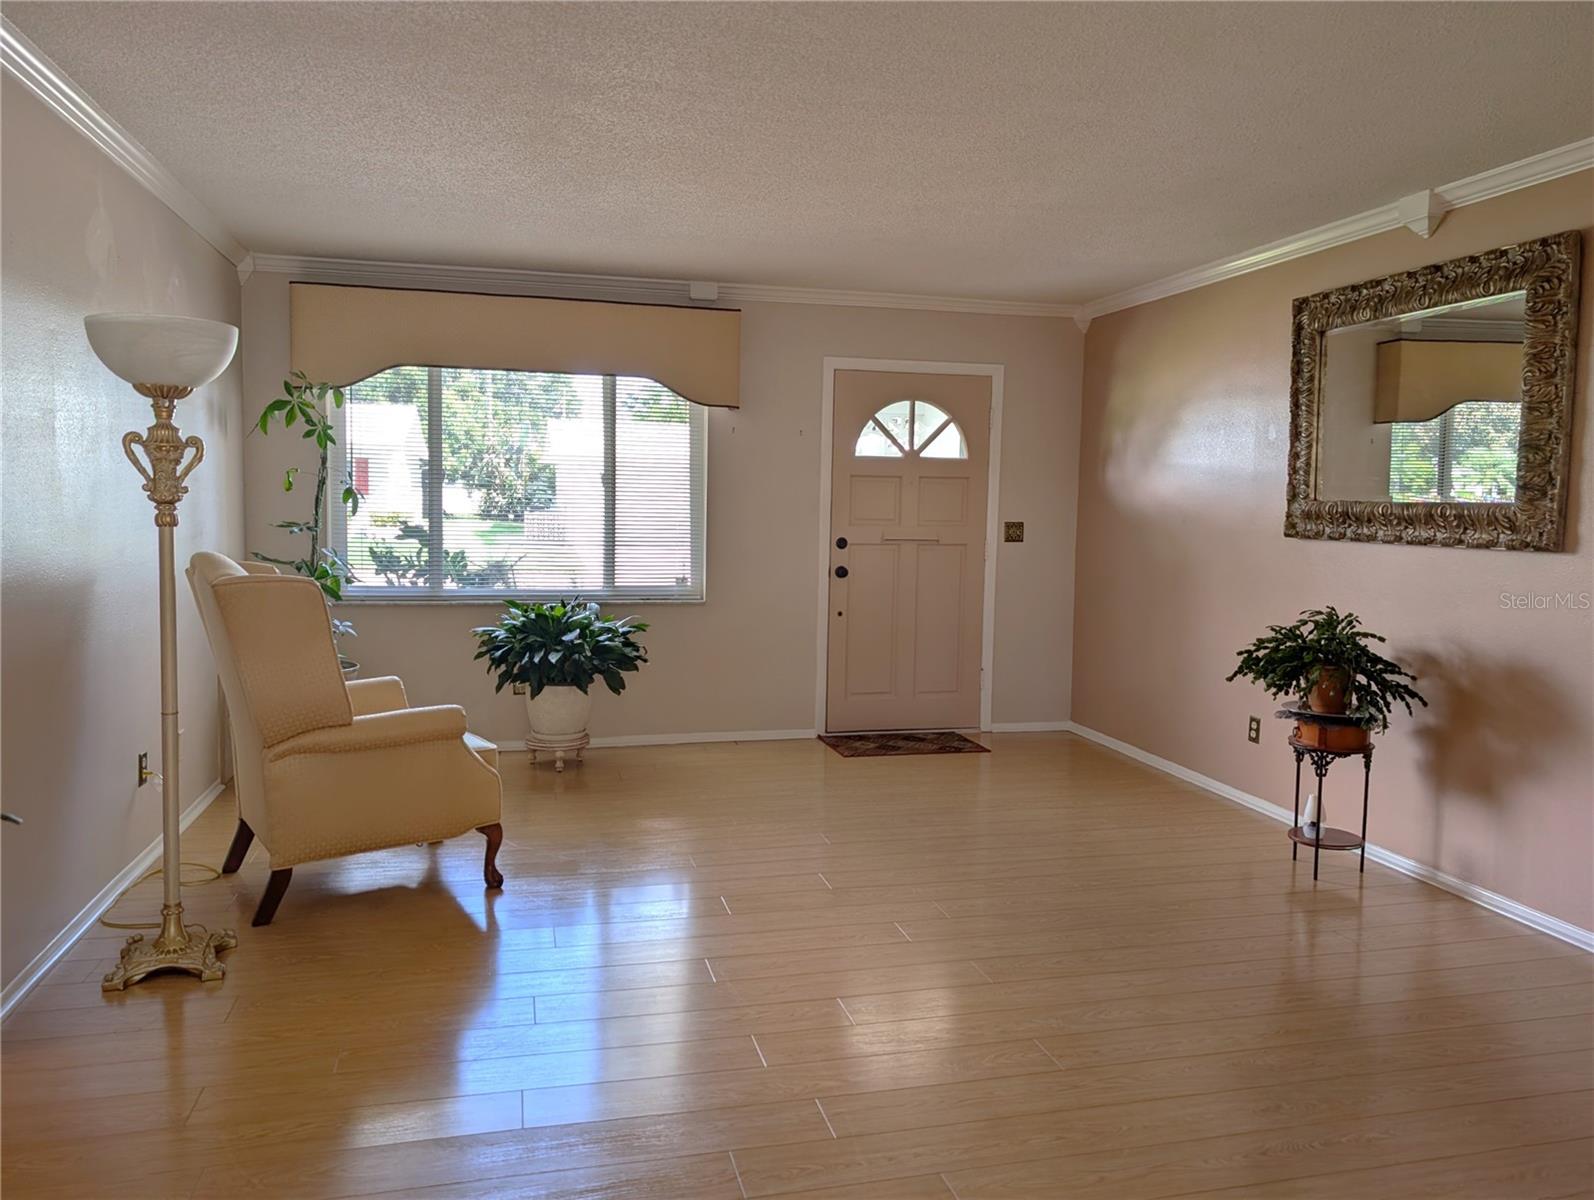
x: 190, y: 948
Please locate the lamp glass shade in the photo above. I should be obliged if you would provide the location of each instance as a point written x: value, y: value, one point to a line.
x: 159, y: 350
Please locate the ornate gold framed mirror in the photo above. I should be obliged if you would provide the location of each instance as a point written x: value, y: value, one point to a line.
x: 1434, y: 407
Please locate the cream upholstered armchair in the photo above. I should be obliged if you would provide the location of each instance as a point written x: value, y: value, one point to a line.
x: 323, y: 768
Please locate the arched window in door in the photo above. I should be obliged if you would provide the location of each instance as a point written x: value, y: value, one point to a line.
x: 911, y: 429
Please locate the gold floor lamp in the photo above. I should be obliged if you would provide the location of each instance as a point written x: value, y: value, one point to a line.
x: 165, y: 359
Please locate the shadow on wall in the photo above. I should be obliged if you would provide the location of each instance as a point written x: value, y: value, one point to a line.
x: 1489, y: 721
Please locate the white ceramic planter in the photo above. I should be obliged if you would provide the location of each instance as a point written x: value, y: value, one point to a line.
x: 558, y: 719
x: 559, y: 712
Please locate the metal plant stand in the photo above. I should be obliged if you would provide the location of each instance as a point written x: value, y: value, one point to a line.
x: 1323, y: 757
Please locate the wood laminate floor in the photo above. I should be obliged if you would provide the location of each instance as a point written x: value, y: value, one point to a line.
x: 758, y: 969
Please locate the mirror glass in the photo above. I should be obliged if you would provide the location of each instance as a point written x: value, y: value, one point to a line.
x: 1425, y: 406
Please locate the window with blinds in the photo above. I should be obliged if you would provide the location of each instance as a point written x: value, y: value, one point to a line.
x: 487, y: 483
x: 1467, y: 453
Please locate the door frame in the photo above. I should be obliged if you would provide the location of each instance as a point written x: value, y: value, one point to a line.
x: 827, y: 437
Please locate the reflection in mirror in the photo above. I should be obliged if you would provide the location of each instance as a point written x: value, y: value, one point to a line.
x: 1424, y: 407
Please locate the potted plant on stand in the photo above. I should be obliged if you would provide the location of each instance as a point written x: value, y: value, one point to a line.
x: 307, y: 404
x: 1324, y: 662
x: 557, y: 651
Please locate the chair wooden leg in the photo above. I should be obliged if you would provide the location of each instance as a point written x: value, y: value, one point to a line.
x: 241, y: 841
x: 275, y: 887
x: 494, y: 834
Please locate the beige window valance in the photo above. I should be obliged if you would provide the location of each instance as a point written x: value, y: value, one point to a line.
x: 342, y: 334
x: 1417, y: 380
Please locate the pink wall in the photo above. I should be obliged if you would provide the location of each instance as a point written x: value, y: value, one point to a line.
x: 1181, y: 560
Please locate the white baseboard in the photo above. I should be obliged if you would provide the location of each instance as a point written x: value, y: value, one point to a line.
x: 517, y: 745
x: 514, y: 745
x: 1205, y: 782
x: 1504, y: 905
x: 30, y: 975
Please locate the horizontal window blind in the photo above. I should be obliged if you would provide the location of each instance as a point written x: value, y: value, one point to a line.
x: 1467, y: 453
x: 490, y: 483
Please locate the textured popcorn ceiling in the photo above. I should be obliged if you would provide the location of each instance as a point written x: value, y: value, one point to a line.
x: 1044, y: 151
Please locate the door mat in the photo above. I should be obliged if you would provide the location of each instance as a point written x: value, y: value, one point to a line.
x: 872, y: 745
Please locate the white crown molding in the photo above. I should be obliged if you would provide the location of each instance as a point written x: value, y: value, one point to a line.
x: 740, y: 293
x: 26, y: 979
x: 1422, y: 212
x: 1504, y: 905
x: 1537, y: 168
x: 1324, y: 237
x: 50, y: 84
x: 516, y: 281
x: 1524, y: 173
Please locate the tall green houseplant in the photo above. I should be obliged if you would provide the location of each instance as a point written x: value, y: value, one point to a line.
x: 310, y: 406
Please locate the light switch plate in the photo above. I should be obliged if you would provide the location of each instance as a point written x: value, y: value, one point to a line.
x: 1012, y: 531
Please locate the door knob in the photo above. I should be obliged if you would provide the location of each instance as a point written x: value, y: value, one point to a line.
x: 841, y: 572
x: 841, y: 543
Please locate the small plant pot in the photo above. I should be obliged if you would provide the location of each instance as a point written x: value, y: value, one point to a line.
x: 1328, y: 694
x: 559, y: 712
x: 350, y: 668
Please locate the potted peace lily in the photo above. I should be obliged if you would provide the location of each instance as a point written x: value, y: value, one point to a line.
x: 557, y: 651
x: 1323, y: 662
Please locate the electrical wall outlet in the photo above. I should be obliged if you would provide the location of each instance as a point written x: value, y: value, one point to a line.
x: 1253, y: 731
x: 517, y: 689
x: 143, y: 769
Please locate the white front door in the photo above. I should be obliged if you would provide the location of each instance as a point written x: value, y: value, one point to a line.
x: 907, y: 557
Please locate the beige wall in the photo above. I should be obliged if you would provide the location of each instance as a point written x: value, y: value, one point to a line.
x: 1181, y: 561
x: 80, y: 694
x: 745, y: 660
